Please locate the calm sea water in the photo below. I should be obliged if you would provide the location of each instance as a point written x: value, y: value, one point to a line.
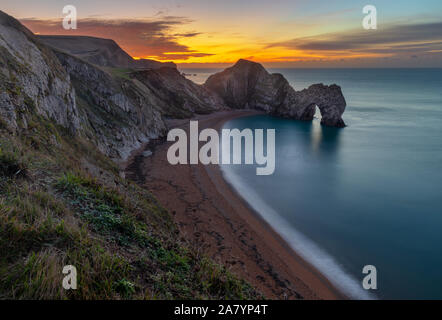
x: 368, y: 194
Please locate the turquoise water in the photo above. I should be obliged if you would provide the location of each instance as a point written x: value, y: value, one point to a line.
x: 368, y: 194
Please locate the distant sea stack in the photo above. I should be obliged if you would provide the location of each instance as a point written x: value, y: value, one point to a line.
x: 247, y: 85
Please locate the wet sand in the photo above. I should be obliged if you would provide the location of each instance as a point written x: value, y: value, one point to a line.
x: 219, y: 223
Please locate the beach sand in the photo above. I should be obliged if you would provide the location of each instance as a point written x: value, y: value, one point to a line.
x: 219, y: 223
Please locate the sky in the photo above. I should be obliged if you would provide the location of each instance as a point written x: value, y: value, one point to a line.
x: 277, y: 33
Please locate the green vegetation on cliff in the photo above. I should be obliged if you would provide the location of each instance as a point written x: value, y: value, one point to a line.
x: 63, y: 200
x: 64, y: 203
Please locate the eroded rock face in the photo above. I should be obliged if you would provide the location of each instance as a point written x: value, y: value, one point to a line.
x: 121, y: 113
x: 247, y: 85
x: 115, y: 114
x: 32, y: 80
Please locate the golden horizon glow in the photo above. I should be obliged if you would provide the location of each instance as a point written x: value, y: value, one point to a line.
x: 283, y: 33
x: 229, y: 50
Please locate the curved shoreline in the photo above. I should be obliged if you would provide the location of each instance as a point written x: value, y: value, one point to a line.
x: 214, y: 217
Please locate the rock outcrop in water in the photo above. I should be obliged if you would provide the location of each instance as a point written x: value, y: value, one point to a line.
x: 247, y: 85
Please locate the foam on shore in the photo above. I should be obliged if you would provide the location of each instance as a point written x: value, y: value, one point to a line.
x: 302, y: 245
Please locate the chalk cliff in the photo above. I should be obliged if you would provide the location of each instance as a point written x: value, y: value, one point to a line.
x: 32, y: 80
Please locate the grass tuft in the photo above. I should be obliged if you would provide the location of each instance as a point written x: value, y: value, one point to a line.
x: 74, y: 209
x: 11, y: 166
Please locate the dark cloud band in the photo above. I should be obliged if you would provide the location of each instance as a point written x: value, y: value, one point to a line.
x: 140, y: 38
x: 391, y: 39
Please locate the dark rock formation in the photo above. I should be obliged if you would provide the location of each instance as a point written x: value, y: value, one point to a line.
x: 247, y: 85
x: 329, y: 100
x: 101, y: 52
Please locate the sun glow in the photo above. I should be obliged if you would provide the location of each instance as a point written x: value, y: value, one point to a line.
x: 283, y: 34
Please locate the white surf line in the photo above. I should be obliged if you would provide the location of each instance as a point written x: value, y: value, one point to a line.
x: 302, y: 245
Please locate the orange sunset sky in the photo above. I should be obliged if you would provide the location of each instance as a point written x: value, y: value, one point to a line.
x: 197, y: 33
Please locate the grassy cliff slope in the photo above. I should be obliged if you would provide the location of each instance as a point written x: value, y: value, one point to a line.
x: 64, y: 202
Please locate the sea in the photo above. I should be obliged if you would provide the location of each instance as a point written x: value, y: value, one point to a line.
x: 369, y: 194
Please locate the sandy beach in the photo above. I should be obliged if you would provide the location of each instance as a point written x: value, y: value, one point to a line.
x: 219, y: 223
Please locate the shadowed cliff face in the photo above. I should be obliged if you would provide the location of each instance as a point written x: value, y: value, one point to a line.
x: 247, y: 85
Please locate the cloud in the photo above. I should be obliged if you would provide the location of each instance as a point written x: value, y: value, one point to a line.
x: 154, y: 38
x: 388, y: 40
x: 187, y: 34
